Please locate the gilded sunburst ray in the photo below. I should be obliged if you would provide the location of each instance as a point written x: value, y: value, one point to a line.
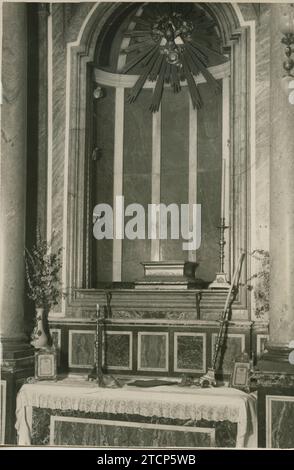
x: 171, y: 44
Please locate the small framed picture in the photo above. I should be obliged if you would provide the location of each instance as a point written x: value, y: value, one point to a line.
x: 46, y: 364
x: 240, y: 375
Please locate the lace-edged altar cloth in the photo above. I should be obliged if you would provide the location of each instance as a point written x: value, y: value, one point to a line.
x: 174, y: 402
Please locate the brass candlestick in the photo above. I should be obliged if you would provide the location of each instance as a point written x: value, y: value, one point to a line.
x: 221, y: 281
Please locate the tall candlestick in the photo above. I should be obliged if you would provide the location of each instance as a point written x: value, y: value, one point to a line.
x: 223, y: 190
x: 96, y: 343
x: 97, y: 372
x: 98, y: 348
x: 221, y: 281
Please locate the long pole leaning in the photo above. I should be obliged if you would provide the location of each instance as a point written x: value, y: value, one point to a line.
x: 209, y: 379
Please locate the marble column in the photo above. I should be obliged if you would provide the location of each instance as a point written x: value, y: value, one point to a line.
x: 13, y: 180
x: 281, y: 315
x: 43, y: 12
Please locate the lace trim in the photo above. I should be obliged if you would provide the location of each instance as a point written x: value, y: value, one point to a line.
x: 184, y: 407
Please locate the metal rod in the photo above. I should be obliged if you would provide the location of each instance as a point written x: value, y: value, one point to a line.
x: 225, y: 312
x: 98, y: 348
x: 96, y: 342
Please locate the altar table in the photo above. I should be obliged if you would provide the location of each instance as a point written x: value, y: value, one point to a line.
x: 71, y: 412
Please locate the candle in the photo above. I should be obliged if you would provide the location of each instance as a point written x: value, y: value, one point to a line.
x: 223, y: 196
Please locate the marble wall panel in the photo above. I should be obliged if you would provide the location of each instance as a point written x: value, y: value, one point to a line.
x: 94, y: 432
x: 138, y: 135
x: 118, y: 350
x: 102, y: 178
x: 190, y: 352
x: 67, y: 20
x: 81, y: 348
x: 174, y: 163
x: 137, y: 168
x: 137, y: 188
x: 153, y: 351
x: 74, y: 16
x: 58, y: 83
x: 225, y: 431
x: 209, y: 167
x: 280, y: 422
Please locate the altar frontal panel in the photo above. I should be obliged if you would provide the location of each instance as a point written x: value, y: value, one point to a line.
x: 102, y: 432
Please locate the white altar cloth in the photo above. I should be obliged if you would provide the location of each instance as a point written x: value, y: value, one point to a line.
x: 213, y: 404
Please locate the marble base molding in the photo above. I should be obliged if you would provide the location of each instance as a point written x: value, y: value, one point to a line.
x: 276, y: 359
x: 15, y: 348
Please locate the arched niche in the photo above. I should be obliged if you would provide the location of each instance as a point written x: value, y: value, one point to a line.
x: 237, y: 40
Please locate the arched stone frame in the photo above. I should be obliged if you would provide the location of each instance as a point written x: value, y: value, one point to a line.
x: 238, y: 37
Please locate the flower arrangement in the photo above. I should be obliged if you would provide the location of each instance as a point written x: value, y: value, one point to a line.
x: 42, y: 273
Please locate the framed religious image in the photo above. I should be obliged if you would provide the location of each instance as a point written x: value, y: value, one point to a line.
x: 45, y: 364
x: 240, y: 376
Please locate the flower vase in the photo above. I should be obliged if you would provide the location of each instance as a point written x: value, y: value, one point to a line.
x: 39, y: 337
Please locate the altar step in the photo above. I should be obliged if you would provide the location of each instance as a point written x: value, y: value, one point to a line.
x: 213, y: 299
